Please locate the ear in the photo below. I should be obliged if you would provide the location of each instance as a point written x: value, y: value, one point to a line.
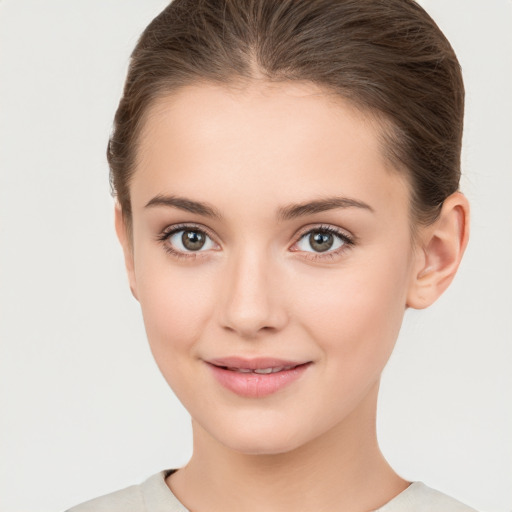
x: 440, y: 249
x: 125, y: 240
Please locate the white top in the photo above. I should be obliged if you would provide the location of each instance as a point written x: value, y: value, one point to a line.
x: 153, y: 495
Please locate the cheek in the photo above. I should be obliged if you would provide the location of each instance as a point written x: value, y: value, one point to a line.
x: 176, y: 307
x: 356, y: 312
x: 354, y: 317
x: 175, y: 304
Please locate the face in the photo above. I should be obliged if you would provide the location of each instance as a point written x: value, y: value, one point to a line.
x: 271, y: 256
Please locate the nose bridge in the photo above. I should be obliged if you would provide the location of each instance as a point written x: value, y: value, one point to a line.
x: 252, y: 300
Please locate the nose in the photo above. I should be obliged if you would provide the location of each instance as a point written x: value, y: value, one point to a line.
x: 253, y: 300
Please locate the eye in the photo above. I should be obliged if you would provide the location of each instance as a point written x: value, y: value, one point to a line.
x: 190, y: 240
x: 186, y: 239
x: 322, y: 240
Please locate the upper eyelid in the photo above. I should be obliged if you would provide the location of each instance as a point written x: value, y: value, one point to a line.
x: 327, y: 227
x: 305, y: 229
x: 174, y: 228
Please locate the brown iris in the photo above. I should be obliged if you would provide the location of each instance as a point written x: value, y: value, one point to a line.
x: 321, y: 241
x: 193, y: 240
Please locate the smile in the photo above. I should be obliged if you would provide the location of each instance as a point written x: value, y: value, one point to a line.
x: 261, y: 371
x: 256, y: 378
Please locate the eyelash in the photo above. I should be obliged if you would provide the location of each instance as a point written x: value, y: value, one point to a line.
x: 348, y: 241
x: 163, y: 237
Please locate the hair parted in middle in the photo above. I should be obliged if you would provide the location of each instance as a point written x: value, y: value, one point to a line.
x: 387, y: 57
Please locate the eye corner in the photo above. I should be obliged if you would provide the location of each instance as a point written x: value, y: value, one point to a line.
x: 172, y: 247
x: 343, y: 241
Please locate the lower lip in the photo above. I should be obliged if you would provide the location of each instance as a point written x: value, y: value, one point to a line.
x: 257, y: 385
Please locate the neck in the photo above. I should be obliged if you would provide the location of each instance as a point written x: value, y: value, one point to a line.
x: 341, y: 470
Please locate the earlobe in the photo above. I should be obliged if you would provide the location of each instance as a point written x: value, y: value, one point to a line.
x: 442, y: 245
x: 123, y: 236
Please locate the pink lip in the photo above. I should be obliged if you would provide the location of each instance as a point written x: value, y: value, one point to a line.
x: 255, y: 385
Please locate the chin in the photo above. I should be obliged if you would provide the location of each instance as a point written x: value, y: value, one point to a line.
x: 269, y: 446
x: 272, y: 440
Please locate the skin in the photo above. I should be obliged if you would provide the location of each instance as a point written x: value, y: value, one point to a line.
x: 258, y: 288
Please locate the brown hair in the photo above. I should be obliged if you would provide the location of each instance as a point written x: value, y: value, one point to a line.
x: 386, y: 56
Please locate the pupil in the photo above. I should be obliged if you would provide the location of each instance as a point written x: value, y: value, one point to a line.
x: 321, y: 241
x: 193, y: 240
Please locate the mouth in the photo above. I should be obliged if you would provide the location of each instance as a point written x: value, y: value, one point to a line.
x: 260, y: 371
x: 256, y: 378
x: 261, y: 365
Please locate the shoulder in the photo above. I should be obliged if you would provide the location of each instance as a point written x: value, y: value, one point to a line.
x: 418, y: 497
x: 126, y: 500
x: 148, y: 496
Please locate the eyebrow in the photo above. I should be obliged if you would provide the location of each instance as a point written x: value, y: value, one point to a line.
x: 284, y: 213
x: 185, y: 204
x: 320, y: 205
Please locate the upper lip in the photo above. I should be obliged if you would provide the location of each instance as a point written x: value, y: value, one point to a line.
x: 254, y: 363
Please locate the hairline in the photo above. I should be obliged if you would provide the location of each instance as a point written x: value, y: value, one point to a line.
x: 385, y: 128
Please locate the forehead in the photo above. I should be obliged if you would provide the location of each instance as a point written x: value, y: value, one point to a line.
x: 283, y: 140
x: 300, y: 108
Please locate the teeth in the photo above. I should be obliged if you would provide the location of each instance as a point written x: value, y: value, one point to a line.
x: 262, y: 371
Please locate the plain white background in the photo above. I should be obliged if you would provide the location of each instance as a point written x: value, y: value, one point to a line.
x: 83, y: 409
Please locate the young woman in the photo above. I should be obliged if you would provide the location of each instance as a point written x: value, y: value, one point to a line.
x: 286, y: 175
